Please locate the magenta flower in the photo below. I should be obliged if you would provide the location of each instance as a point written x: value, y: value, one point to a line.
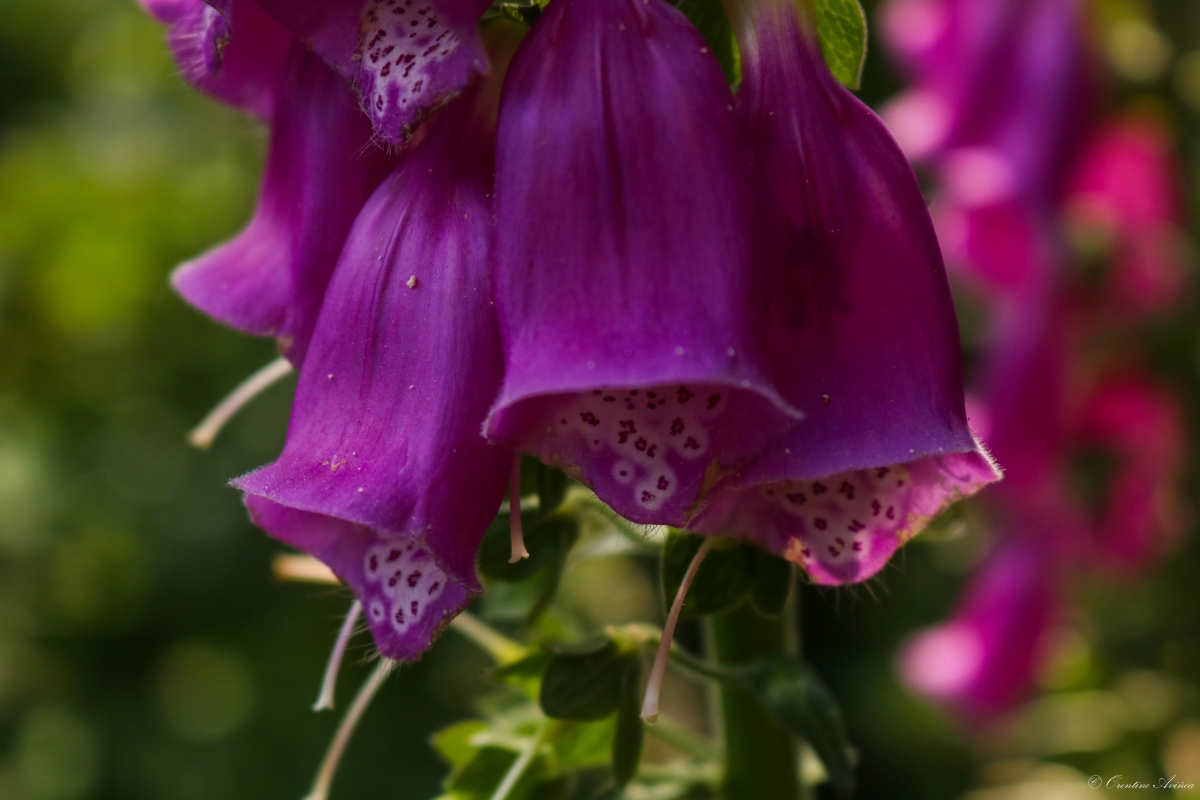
x: 1001, y: 96
x: 271, y: 278
x: 1124, y: 191
x: 987, y: 655
x: 629, y: 283
x: 1140, y: 428
x: 666, y: 282
x: 863, y: 336
x: 243, y: 70
x: 384, y: 475
x: 405, y: 58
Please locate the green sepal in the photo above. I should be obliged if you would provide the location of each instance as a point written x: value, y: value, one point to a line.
x: 723, y: 580
x: 842, y: 28
x: 552, y: 485
x: 772, y: 583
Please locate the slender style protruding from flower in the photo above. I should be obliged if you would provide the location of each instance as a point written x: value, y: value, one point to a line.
x: 659, y: 670
x: 863, y: 333
x: 270, y: 280
x: 630, y: 296
x: 329, y: 680
x: 515, y: 532
x: 405, y: 58
x: 337, y: 748
x: 384, y: 438
x: 204, y: 434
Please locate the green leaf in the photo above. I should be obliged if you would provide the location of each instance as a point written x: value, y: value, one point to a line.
x: 584, y: 681
x: 772, y: 583
x: 552, y: 487
x: 480, y: 776
x: 723, y: 579
x: 795, y: 696
x: 582, y: 744
x: 453, y: 744
x: 629, y: 732
x: 525, y: 674
x: 547, y: 539
x: 710, y: 19
x: 842, y: 28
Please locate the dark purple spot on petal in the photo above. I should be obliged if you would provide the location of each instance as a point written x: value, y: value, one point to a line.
x: 820, y: 523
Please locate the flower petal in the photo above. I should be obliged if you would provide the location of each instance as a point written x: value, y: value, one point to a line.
x: 271, y: 278
x: 405, y: 58
x: 384, y: 454
x: 627, y: 287
x: 864, y: 339
x: 231, y: 50
x: 984, y: 659
x: 1141, y: 424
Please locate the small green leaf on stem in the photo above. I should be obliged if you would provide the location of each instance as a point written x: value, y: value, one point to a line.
x: 795, y: 696
x: 584, y: 681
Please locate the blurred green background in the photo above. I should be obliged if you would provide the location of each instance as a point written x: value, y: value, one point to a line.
x: 147, y: 652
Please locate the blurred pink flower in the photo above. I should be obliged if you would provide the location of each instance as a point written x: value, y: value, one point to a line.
x: 1124, y: 190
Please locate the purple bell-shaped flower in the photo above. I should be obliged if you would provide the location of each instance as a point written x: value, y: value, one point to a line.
x: 321, y: 168
x: 629, y: 285
x: 385, y: 476
x: 863, y: 336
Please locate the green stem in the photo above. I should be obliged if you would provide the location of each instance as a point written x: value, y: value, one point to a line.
x: 761, y: 755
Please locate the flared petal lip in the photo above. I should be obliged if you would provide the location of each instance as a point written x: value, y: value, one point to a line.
x: 509, y: 399
x: 247, y: 484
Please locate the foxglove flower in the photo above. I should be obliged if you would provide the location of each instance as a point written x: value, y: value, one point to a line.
x: 1124, y: 191
x: 243, y: 70
x: 628, y: 277
x: 384, y: 439
x: 404, y: 58
x: 270, y: 279
x: 863, y: 334
x: 1001, y: 96
x: 1137, y: 427
x: 987, y: 655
